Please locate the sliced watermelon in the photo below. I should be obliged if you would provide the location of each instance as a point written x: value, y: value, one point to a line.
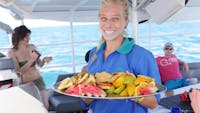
x: 148, y: 90
x: 145, y: 91
x: 86, y: 90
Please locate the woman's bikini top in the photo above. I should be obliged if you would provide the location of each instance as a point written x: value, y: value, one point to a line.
x: 22, y: 63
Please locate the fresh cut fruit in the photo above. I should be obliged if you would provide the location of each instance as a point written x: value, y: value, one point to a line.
x: 129, y: 80
x: 111, y: 90
x: 130, y: 89
x: 119, y: 82
x: 124, y: 93
x: 111, y: 85
x: 119, y: 89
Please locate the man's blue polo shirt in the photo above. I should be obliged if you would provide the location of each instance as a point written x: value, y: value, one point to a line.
x: 128, y: 57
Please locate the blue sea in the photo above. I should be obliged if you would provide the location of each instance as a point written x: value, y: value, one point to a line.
x: 184, y: 35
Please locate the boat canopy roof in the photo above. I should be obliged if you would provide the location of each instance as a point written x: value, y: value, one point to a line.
x: 6, y: 28
x: 87, y: 10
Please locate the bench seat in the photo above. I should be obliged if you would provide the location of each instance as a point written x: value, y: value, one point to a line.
x: 63, y: 103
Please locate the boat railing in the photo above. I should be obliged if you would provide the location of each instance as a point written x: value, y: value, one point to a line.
x: 67, y: 43
x: 170, y: 34
x: 95, y: 41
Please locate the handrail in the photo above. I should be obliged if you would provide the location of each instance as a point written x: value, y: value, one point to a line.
x: 2, y: 48
x: 89, y: 41
x: 67, y: 43
x: 53, y: 44
x: 170, y: 34
x: 62, y: 65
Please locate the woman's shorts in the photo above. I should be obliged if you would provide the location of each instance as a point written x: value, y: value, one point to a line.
x: 40, y: 84
x: 177, y: 83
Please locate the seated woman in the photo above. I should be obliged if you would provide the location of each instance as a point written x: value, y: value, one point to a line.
x: 169, y: 68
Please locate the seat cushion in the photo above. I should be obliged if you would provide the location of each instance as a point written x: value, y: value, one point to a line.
x: 65, y: 104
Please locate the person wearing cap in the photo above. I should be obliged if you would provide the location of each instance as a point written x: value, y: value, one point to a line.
x: 169, y: 68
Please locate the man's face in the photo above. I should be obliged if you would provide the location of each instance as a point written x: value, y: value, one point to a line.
x: 168, y: 51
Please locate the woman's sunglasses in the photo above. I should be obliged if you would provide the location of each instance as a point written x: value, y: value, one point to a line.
x: 168, y: 48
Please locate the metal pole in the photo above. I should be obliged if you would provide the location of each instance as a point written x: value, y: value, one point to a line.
x: 72, y: 11
x: 22, y: 21
x: 149, y: 35
x: 135, y: 21
x: 72, y: 45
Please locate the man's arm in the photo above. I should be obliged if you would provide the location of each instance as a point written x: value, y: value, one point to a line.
x: 185, y: 65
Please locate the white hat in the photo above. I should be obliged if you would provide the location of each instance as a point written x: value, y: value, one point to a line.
x: 168, y: 44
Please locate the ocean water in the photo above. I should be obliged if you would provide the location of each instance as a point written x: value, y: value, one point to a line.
x: 184, y: 35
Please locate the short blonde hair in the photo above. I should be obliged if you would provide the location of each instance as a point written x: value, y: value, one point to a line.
x: 122, y: 3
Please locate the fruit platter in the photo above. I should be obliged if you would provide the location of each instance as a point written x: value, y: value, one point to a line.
x: 119, y: 85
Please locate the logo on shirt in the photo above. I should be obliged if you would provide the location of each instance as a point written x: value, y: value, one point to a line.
x: 167, y: 62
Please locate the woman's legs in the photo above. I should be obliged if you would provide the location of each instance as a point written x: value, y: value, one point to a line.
x: 43, y: 92
x: 45, y: 98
